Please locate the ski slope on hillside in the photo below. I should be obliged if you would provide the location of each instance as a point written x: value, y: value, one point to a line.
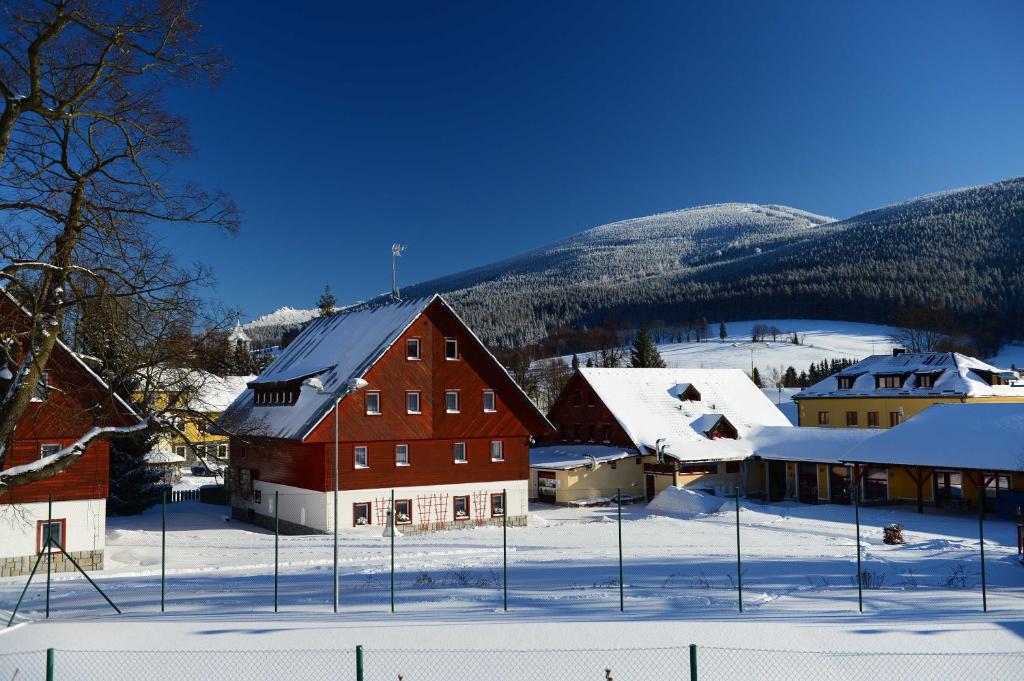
x: 820, y: 340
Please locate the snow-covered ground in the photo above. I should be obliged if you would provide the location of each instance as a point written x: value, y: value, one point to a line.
x: 820, y: 340
x: 680, y: 576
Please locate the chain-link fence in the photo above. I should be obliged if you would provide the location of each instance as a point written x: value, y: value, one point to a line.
x: 588, y: 555
x: 627, y: 664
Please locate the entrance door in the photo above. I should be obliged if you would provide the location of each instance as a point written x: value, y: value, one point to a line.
x: 649, y: 485
x: 807, y: 482
x: 839, y: 484
x: 776, y: 480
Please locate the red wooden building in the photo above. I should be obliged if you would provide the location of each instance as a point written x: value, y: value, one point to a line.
x: 410, y: 399
x: 70, y: 400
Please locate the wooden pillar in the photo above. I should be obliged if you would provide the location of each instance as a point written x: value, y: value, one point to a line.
x: 919, y: 475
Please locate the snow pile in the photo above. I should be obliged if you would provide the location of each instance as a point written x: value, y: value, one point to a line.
x: 680, y: 501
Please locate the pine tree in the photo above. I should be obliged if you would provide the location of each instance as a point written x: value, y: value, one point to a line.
x: 723, y: 332
x: 327, y: 302
x: 756, y: 378
x: 645, y: 353
x: 590, y: 362
x: 575, y: 362
x: 790, y: 380
x: 134, y: 486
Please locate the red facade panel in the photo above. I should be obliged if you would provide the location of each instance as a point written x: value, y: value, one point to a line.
x: 579, y: 415
x: 430, y: 434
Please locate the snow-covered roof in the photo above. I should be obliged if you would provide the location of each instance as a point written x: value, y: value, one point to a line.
x: 952, y: 373
x: 646, y: 403
x: 205, y: 392
x: 980, y: 436
x: 565, y: 457
x: 825, y: 445
x: 156, y: 456
x: 335, y: 350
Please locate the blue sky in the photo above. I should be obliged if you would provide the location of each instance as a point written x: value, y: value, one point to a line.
x: 474, y: 131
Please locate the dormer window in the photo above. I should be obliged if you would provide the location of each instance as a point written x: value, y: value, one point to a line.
x: 846, y: 382
x: 275, y: 395
x: 689, y: 393
x: 927, y: 380
x: 889, y: 381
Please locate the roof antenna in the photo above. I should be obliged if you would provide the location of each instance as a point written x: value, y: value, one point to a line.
x: 396, y: 250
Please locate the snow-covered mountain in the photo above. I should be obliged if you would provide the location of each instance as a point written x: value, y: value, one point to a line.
x: 268, y: 329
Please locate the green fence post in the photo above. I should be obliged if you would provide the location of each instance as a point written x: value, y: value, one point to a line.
x: 618, y: 503
x: 163, y: 548
x: 277, y: 537
x: 855, y: 490
x: 49, y: 664
x: 359, y: 663
x: 981, y: 542
x: 693, y: 662
x: 504, y: 546
x: 739, y: 559
x: 391, y: 515
x: 46, y: 548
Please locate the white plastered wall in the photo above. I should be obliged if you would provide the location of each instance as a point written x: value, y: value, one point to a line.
x: 315, y: 509
x: 85, y: 524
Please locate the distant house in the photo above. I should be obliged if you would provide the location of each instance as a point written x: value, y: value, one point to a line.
x: 884, y: 390
x: 202, y: 397
x: 70, y: 400
x: 642, y: 430
x: 409, y: 399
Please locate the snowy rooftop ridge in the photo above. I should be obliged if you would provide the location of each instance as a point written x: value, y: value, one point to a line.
x: 978, y: 435
x: 647, y: 404
x: 949, y: 373
x: 336, y: 350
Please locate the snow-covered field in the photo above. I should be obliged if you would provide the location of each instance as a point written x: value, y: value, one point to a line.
x: 680, y: 577
x: 821, y: 340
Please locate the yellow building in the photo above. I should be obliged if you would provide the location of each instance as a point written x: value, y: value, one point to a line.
x: 194, y: 399
x: 884, y: 390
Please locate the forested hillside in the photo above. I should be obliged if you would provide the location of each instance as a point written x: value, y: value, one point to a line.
x: 960, y: 250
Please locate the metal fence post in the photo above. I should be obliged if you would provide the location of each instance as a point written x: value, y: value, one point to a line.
x: 277, y: 538
x: 163, y: 548
x: 981, y: 543
x: 739, y: 559
x: 693, y: 662
x: 855, y: 489
x: 391, y: 515
x: 504, y: 547
x: 46, y: 548
x: 49, y: 664
x: 359, y: 663
x: 618, y: 503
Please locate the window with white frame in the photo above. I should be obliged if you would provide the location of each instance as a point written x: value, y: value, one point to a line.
x: 412, y: 402
x: 489, y: 403
x: 497, y: 451
x: 373, y: 403
x: 179, y: 450
x: 362, y: 457
x: 401, y: 455
x: 412, y: 348
x: 459, y: 452
x: 451, y: 401
x: 48, y: 449
x: 51, y: 531
x: 451, y: 348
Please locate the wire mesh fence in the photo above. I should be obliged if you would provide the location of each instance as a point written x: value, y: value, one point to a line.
x: 625, y: 664
x: 592, y: 554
